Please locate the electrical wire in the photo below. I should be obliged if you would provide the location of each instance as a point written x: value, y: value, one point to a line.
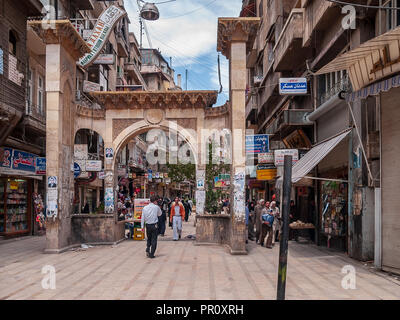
x: 362, y: 5
x: 190, y: 12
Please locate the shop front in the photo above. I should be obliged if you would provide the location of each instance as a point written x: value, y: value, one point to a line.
x: 20, y: 200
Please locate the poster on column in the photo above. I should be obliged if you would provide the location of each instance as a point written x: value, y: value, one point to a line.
x: 109, y: 200
x: 200, y: 201
x: 239, y: 193
x: 200, y: 177
x: 52, y: 197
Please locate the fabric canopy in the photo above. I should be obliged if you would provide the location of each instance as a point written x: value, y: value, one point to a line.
x: 313, y: 157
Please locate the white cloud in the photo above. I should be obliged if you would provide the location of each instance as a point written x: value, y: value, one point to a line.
x: 187, y: 32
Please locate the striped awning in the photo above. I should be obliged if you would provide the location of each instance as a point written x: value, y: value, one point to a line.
x: 348, y: 59
x: 313, y: 157
x: 374, y: 89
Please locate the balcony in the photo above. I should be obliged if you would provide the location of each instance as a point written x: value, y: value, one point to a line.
x: 123, y: 48
x: 35, y: 119
x: 251, y: 105
x: 288, y: 50
x: 134, y: 72
x: 342, y: 85
x: 287, y: 121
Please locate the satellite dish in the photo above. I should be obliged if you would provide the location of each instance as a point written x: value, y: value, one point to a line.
x: 150, y: 12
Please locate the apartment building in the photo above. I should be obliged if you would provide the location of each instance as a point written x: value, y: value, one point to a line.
x: 337, y: 177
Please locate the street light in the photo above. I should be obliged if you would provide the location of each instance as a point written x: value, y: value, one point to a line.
x: 150, y: 12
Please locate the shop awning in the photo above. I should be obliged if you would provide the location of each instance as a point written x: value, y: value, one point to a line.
x: 313, y: 157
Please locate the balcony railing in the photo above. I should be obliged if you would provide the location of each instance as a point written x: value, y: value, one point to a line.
x: 342, y: 85
x: 35, y: 112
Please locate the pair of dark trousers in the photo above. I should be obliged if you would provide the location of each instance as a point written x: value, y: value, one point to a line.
x: 266, y: 231
x: 152, y: 234
x: 251, y: 229
x: 161, y: 223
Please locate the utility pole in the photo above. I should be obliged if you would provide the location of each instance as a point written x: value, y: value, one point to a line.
x: 283, y: 245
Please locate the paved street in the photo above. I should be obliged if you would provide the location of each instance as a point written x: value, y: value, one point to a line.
x: 182, y: 271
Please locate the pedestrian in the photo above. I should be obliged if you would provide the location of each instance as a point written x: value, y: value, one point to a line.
x: 177, y: 215
x: 187, y: 209
x: 250, y: 226
x: 162, y: 219
x: 266, y: 229
x: 277, y: 222
x: 150, y: 215
x: 257, y: 215
x: 247, y: 216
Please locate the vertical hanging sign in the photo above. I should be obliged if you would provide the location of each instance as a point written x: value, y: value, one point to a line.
x: 101, y: 32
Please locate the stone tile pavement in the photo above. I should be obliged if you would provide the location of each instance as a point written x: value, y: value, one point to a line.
x: 183, y: 271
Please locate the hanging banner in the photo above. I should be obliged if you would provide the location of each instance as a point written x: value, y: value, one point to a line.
x: 104, y: 26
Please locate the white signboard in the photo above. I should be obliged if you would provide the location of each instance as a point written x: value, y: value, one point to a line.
x: 266, y: 157
x: 280, y: 156
x: 292, y: 86
x: 93, y: 165
x: 89, y: 86
x: 101, y: 32
x: 105, y: 59
x: 80, y: 152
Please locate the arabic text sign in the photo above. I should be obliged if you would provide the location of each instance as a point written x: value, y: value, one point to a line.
x: 23, y: 161
x: 257, y: 144
x: 41, y: 166
x: 292, y: 86
x: 93, y: 165
x: 101, y: 32
x: 280, y: 156
x: 266, y: 157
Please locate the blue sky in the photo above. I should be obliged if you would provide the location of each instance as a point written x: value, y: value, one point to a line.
x: 187, y: 32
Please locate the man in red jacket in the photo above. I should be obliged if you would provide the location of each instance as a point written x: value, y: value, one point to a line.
x: 176, y: 216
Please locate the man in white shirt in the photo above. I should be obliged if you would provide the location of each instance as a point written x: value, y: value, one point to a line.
x: 150, y: 215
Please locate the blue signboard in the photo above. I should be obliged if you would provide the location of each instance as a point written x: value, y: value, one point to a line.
x: 6, y: 160
x: 23, y: 161
x: 257, y: 144
x: 77, y: 170
x: 1, y: 62
x: 41, y: 166
x: 292, y: 86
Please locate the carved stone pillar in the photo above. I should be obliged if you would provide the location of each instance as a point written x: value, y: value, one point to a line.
x: 235, y: 38
x: 64, y: 47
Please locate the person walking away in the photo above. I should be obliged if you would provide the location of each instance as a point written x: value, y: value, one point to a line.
x: 150, y: 215
x: 257, y: 215
x: 187, y: 209
x: 277, y: 222
x: 162, y: 219
x: 177, y: 216
x: 266, y: 230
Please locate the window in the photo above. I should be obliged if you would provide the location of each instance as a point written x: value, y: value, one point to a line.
x: 40, y: 96
x: 12, y: 43
x: 29, y: 92
x: 392, y: 16
x: 331, y: 84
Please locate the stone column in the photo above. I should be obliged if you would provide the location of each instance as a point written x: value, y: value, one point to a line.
x: 64, y: 47
x: 235, y: 37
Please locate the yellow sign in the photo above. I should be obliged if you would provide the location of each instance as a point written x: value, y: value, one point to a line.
x: 267, y: 174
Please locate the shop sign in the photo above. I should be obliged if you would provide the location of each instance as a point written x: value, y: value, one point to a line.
x: 292, y: 86
x: 23, y: 161
x: 101, y: 32
x: 101, y: 175
x: 280, y: 156
x: 257, y: 144
x: 81, y: 151
x: 93, y: 165
x: 267, y: 174
x: 266, y: 157
x: 105, y: 59
x: 89, y: 86
x: 1, y: 62
x: 40, y: 166
x: 77, y: 170
x: 6, y: 157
